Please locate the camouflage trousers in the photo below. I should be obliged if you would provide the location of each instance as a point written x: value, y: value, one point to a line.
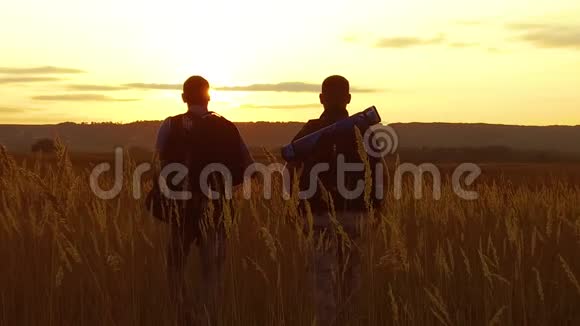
x: 336, y: 263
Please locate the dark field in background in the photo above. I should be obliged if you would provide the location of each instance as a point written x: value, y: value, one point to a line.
x: 512, y: 257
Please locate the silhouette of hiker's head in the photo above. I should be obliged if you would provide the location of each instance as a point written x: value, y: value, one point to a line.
x: 335, y: 94
x: 196, y: 91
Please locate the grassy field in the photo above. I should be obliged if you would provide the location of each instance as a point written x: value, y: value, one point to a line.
x: 512, y: 257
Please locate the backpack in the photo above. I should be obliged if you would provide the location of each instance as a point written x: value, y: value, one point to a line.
x: 195, y: 142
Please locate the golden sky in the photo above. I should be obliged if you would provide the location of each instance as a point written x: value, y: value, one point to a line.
x: 494, y: 61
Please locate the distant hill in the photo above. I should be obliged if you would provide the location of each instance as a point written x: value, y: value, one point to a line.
x: 451, y: 135
x: 103, y: 137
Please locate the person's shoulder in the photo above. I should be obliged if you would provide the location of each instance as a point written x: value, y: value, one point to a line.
x: 213, y: 116
x: 311, y: 124
x: 169, y: 119
x: 309, y: 127
x: 218, y: 123
x: 165, y: 123
x: 217, y: 118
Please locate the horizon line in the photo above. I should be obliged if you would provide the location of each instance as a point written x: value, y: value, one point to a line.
x: 286, y: 122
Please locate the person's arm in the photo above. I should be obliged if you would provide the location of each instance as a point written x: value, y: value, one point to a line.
x: 247, y: 158
x: 162, y: 139
x: 154, y: 195
x: 239, y: 155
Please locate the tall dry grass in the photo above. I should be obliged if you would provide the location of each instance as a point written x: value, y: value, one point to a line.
x: 68, y: 258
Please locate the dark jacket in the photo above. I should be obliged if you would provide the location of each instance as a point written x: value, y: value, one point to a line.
x: 327, y: 150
